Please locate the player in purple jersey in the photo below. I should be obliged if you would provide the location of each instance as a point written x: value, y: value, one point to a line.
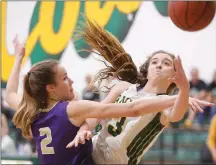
x: 48, y: 113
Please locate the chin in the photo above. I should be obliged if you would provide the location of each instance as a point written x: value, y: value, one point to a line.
x: 72, y: 97
x: 69, y: 98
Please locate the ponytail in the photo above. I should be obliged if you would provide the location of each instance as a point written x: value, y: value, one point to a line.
x: 27, y: 111
x: 120, y: 66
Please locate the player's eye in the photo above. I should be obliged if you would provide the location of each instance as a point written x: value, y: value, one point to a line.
x: 154, y: 62
x: 167, y: 63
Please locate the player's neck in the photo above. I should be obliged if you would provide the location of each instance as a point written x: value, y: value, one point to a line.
x: 155, y: 88
x: 51, y: 103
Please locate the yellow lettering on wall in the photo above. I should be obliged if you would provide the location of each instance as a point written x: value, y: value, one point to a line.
x: 102, y: 15
x: 127, y: 6
x: 8, y: 59
x: 52, y: 42
x: 95, y: 12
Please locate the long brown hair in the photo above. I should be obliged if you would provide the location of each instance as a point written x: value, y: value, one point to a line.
x: 35, y: 96
x: 120, y: 63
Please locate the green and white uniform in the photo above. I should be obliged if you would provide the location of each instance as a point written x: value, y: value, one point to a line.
x: 125, y: 140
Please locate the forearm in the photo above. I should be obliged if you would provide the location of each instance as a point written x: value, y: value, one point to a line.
x: 87, y: 109
x: 180, y: 106
x: 145, y: 106
x: 13, y: 81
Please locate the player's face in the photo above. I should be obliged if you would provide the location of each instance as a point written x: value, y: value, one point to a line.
x: 161, y: 67
x: 63, y: 87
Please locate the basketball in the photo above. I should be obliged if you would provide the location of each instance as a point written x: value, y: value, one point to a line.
x: 191, y: 15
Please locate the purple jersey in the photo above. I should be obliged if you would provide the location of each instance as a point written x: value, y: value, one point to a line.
x: 52, y: 131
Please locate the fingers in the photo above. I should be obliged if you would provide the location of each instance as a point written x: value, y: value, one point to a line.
x: 89, y: 135
x: 76, y: 142
x: 198, y: 108
x: 15, y: 39
x: 23, y: 51
x: 86, y: 136
x: 70, y: 145
x: 175, y: 62
x: 16, y: 42
x: 23, y: 44
x: 203, y: 103
x: 192, y: 107
x: 82, y: 138
x: 178, y: 64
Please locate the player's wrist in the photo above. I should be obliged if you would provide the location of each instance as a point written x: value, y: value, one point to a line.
x: 184, y: 89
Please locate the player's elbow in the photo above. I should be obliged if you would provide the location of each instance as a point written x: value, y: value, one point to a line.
x: 175, y: 119
x: 8, y: 98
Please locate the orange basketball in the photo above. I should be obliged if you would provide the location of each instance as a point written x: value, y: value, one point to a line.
x: 191, y: 15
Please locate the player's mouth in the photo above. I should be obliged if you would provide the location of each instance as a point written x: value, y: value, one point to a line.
x: 157, y: 72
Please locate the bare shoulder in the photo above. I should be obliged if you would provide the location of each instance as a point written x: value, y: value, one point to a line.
x: 76, y: 109
x: 74, y: 112
x: 75, y: 105
x: 124, y: 83
x: 121, y: 87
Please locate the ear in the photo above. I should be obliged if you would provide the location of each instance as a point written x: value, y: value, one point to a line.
x: 50, y: 87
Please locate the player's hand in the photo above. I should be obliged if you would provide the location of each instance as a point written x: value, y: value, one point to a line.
x: 19, y: 48
x: 179, y: 77
x: 80, y: 138
x: 196, y: 104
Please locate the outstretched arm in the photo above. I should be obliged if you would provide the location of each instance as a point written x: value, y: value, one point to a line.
x: 85, y: 129
x: 88, y: 109
x: 183, y: 100
x: 116, y: 91
x: 181, y: 103
x: 11, y: 96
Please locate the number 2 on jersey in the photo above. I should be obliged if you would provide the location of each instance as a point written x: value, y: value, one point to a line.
x: 47, y: 140
x: 117, y: 129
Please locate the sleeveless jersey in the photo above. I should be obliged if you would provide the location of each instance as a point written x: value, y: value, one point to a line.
x: 125, y: 140
x: 52, y: 131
